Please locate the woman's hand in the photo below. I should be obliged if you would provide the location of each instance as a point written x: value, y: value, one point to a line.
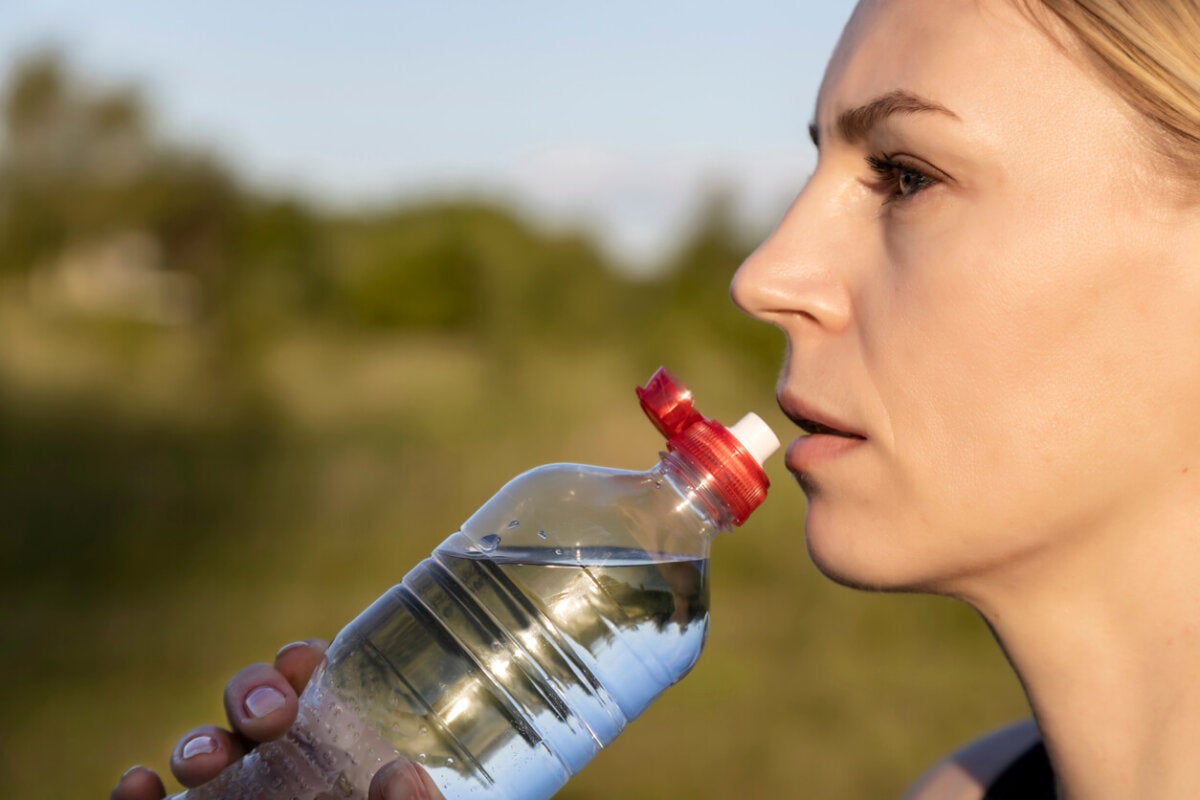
x: 261, y: 704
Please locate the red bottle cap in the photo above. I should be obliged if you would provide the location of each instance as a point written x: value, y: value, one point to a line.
x: 727, y: 464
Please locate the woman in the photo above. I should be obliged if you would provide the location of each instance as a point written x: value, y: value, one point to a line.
x: 991, y: 292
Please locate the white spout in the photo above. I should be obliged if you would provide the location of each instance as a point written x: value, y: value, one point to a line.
x: 756, y: 436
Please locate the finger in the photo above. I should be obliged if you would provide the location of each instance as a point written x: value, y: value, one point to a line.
x: 298, y: 660
x: 260, y: 703
x: 200, y: 754
x: 403, y: 780
x: 138, y: 783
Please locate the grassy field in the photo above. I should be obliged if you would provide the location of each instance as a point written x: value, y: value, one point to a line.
x: 170, y: 518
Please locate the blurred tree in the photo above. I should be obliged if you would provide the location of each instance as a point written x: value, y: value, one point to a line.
x: 408, y: 269
x: 476, y: 269
x: 67, y: 151
x: 283, y: 236
x: 695, y: 286
x: 81, y: 165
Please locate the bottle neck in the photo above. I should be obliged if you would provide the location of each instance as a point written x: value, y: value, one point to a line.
x: 699, y: 487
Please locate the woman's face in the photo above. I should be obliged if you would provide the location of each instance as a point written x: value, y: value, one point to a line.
x: 990, y: 284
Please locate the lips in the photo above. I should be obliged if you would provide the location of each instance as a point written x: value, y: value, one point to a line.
x: 814, y: 422
x: 813, y: 428
x: 828, y: 440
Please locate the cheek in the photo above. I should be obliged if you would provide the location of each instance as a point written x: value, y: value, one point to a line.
x: 1016, y: 364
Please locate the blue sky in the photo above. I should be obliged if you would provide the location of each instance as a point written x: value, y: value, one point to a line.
x: 617, y: 115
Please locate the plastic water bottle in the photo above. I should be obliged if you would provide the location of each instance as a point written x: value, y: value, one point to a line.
x: 531, y: 637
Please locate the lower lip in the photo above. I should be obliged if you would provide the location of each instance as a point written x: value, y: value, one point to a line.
x: 816, y: 449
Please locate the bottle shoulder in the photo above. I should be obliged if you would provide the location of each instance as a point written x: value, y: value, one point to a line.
x: 575, y: 506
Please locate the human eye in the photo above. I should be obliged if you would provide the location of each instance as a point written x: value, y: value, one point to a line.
x: 897, y: 178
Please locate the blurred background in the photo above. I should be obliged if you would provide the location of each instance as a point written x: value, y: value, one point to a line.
x: 288, y: 289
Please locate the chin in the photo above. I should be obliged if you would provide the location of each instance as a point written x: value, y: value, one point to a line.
x: 861, y: 555
x: 852, y: 573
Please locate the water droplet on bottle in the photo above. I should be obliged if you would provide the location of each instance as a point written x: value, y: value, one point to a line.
x: 558, y: 551
x: 542, y: 535
x: 658, y: 484
x: 490, y: 542
x: 515, y: 523
x: 422, y: 730
x: 421, y: 757
x: 449, y: 762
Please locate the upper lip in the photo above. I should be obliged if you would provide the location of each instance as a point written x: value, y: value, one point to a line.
x: 813, y: 420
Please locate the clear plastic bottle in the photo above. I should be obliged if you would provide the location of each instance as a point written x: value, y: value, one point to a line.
x: 529, y: 639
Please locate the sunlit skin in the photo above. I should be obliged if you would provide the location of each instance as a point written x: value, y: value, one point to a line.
x: 992, y: 279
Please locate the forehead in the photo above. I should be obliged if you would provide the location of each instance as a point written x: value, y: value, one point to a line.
x: 959, y: 53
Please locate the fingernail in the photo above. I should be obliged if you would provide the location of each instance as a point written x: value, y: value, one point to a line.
x: 400, y: 780
x: 291, y: 646
x: 129, y: 772
x: 263, y: 701
x: 199, y: 745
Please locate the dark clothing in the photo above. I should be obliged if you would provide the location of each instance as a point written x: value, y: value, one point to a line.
x: 1029, y: 777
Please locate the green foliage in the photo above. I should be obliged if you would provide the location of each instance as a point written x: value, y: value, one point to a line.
x: 413, y: 270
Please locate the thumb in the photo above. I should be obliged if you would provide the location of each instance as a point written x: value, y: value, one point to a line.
x: 403, y: 780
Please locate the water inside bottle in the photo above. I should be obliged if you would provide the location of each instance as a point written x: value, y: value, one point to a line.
x: 515, y: 666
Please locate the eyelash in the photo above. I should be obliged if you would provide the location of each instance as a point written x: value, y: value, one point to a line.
x: 891, y: 175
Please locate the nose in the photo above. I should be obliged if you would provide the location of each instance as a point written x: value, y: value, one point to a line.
x: 796, y: 279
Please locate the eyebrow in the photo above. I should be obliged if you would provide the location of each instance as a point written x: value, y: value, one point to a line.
x: 855, y: 123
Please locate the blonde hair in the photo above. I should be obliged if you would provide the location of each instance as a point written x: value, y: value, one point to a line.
x: 1149, y: 50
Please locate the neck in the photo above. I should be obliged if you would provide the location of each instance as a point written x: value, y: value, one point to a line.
x: 1104, y: 633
